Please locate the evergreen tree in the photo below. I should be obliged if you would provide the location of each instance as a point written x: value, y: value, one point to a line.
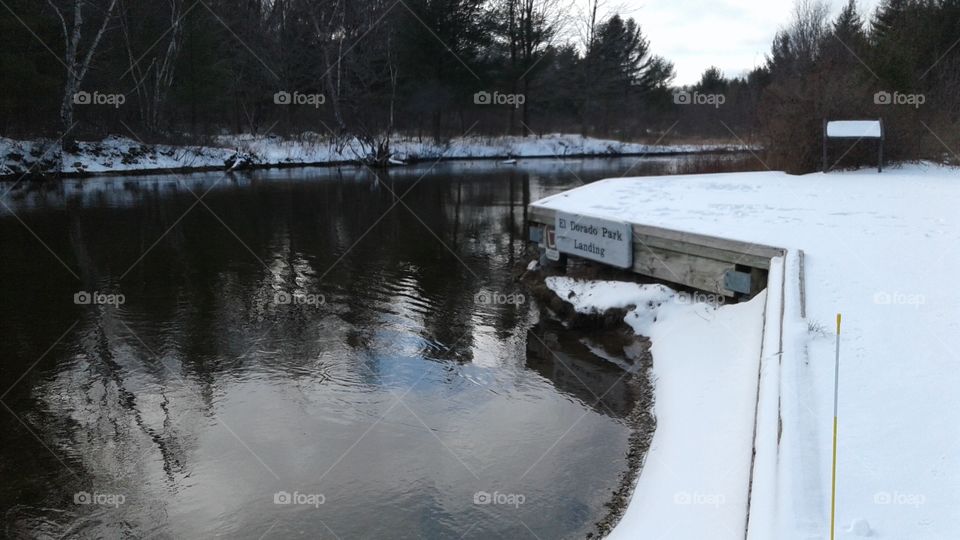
x: 849, y: 27
x: 887, y: 18
x: 712, y: 81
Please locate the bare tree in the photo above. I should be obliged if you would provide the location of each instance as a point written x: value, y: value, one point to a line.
x: 77, y: 67
x: 801, y: 41
x: 371, y: 81
x: 531, y: 27
x: 328, y: 18
x: 591, y: 15
x: 153, y: 82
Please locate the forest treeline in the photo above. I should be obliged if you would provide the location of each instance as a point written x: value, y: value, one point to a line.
x: 171, y: 70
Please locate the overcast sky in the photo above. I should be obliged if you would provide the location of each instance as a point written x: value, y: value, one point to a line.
x: 733, y: 35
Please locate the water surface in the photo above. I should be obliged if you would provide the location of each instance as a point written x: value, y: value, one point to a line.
x: 299, y: 353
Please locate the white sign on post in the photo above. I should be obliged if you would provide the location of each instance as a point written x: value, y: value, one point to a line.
x: 601, y: 240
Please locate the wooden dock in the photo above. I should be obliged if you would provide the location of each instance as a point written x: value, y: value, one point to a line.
x: 711, y: 264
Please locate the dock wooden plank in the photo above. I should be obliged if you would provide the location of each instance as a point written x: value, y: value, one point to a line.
x: 546, y: 216
x: 690, y: 259
x: 751, y: 255
x: 697, y: 272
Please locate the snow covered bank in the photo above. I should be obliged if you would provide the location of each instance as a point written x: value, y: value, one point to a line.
x: 881, y: 249
x: 120, y: 154
x: 705, y: 364
x: 108, y: 155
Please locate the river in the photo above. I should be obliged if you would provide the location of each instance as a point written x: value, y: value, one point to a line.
x: 317, y: 353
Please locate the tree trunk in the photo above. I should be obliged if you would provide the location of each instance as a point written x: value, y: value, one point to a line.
x: 76, y: 68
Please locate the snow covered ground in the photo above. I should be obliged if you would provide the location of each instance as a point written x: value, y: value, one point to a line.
x: 124, y: 154
x: 881, y: 249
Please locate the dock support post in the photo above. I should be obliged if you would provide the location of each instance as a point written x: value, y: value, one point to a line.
x: 882, y: 137
x: 824, y: 145
x: 546, y: 262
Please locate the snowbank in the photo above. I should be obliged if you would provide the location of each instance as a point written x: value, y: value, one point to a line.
x: 120, y: 154
x: 108, y: 155
x: 881, y: 249
x: 600, y: 296
x: 705, y: 367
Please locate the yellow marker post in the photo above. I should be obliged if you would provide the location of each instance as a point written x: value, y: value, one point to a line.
x: 836, y: 394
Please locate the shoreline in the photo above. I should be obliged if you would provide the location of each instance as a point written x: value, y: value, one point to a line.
x: 641, y: 421
x: 672, y: 483
x: 643, y: 424
x: 115, y: 156
x: 357, y: 163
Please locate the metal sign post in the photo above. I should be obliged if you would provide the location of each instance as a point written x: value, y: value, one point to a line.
x: 836, y: 395
x: 854, y: 130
